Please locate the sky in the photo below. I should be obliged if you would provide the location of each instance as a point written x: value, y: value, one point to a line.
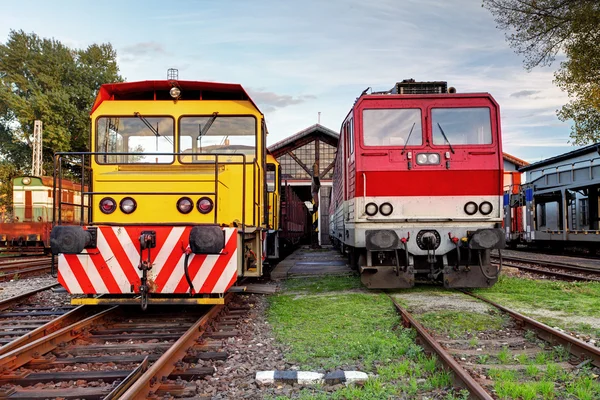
x: 301, y: 58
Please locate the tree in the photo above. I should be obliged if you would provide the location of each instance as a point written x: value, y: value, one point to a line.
x: 540, y: 30
x: 46, y: 80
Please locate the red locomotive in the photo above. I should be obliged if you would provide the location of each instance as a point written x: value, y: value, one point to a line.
x: 417, y: 186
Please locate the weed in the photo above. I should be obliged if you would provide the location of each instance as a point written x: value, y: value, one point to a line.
x: 561, y: 353
x: 440, y: 380
x: 457, y: 323
x: 552, y: 371
x: 541, y: 357
x: 483, y: 359
x: 532, y: 370
x: 473, y: 342
x: 531, y: 336
x: 462, y: 395
x: 504, y: 355
x: 546, y: 389
x: 522, y: 358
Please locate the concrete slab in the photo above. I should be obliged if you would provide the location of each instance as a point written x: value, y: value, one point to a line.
x: 306, y: 261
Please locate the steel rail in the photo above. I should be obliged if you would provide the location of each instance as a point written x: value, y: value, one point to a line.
x: 4, y: 276
x: 32, y: 263
x: 46, y: 329
x: 551, y: 273
x: 11, y: 301
x: 118, y: 391
x: 153, y: 378
x: 461, y: 376
x: 550, y: 264
x: 22, y: 355
x: 576, y: 347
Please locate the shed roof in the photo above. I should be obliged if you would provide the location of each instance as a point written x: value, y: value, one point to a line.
x: 592, y: 148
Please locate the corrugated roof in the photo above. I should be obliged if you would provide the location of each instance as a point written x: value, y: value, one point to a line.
x: 305, y: 132
x: 562, y: 157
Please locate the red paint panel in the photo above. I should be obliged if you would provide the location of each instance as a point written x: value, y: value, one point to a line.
x: 80, y: 274
x: 431, y: 183
x: 169, y: 266
x: 220, y: 265
x: 104, y: 272
x: 128, y: 268
x: 193, y: 268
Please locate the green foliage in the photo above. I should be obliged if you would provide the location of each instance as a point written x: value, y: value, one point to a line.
x: 46, y: 80
x: 8, y: 171
x: 539, y: 30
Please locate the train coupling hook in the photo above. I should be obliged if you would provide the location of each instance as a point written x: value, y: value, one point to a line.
x: 147, y: 241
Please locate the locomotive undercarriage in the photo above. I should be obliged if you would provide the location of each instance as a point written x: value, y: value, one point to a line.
x: 390, y: 262
x: 389, y: 269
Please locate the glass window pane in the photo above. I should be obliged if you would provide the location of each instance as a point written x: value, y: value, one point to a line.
x: 132, y: 135
x: 461, y: 125
x: 392, y: 127
x: 226, y: 135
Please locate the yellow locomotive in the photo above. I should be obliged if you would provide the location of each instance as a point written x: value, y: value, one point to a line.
x: 179, y: 202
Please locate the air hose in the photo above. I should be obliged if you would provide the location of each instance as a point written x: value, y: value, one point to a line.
x: 482, y: 269
x: 187, y: 273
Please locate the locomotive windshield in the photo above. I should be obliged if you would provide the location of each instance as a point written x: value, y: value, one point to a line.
x: 225, y: 135
x: 458, y: 126
x: 144, y: 136
x: 392, y: 127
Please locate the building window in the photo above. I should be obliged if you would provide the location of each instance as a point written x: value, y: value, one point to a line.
x: 543, y: 214
x: 583, y: 212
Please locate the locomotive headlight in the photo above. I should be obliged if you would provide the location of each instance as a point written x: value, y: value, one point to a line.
x: 128, y: 205
x: 185, y: 205
x: 471, y: 208
x: 205, y: 205
x: 175, y: 92
x: 371, y: 209
x: 386, y: 209
x: 26, y: 180
x: 108, y: 205
x: 422, y: 158
x: 433, y: 158
x: 486, y: 208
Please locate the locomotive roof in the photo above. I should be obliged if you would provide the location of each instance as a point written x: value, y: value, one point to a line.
x: 138, y: 90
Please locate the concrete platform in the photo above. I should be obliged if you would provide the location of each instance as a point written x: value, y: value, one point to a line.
x: 307, y: 262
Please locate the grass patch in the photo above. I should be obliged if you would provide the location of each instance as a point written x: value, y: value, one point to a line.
x: 329, y: 331
x: 353, y: 330
x: 457, y: 323
x: 322, y: 285
x: 577, y: 298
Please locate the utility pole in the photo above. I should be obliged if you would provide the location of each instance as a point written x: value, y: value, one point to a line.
x: 36, y: 159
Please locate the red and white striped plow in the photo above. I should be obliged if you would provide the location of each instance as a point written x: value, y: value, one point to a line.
x: 112, y: 267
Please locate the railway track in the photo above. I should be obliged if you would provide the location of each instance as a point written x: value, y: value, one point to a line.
x: 456, y: 356
x: 120, y: 352
x: 559, y: 270
x: 20, y: 268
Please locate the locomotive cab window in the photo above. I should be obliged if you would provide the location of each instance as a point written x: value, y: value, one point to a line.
x: 461, y: 126
x: 392, y: 127
x: 135, y: 140
x: 271, y: 178
x: 200, y: 136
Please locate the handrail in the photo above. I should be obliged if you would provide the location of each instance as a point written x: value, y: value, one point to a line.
x: 79, y: 159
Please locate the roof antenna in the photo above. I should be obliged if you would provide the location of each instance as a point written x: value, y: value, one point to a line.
x: 172, y: 74
x: 319, y: 119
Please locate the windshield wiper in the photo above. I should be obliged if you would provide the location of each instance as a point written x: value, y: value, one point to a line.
x: 206, y: 127
x: 408, y: 138
x: 445, y: 137
x: 149, y: 125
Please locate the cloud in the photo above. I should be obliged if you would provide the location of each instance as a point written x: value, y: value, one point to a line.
x: 525, y: 93
x: 270, y: 101
x: 144, y: 48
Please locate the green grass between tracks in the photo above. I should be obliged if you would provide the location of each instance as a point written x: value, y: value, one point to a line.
x: 557, y: 303
x: 325, y: 324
